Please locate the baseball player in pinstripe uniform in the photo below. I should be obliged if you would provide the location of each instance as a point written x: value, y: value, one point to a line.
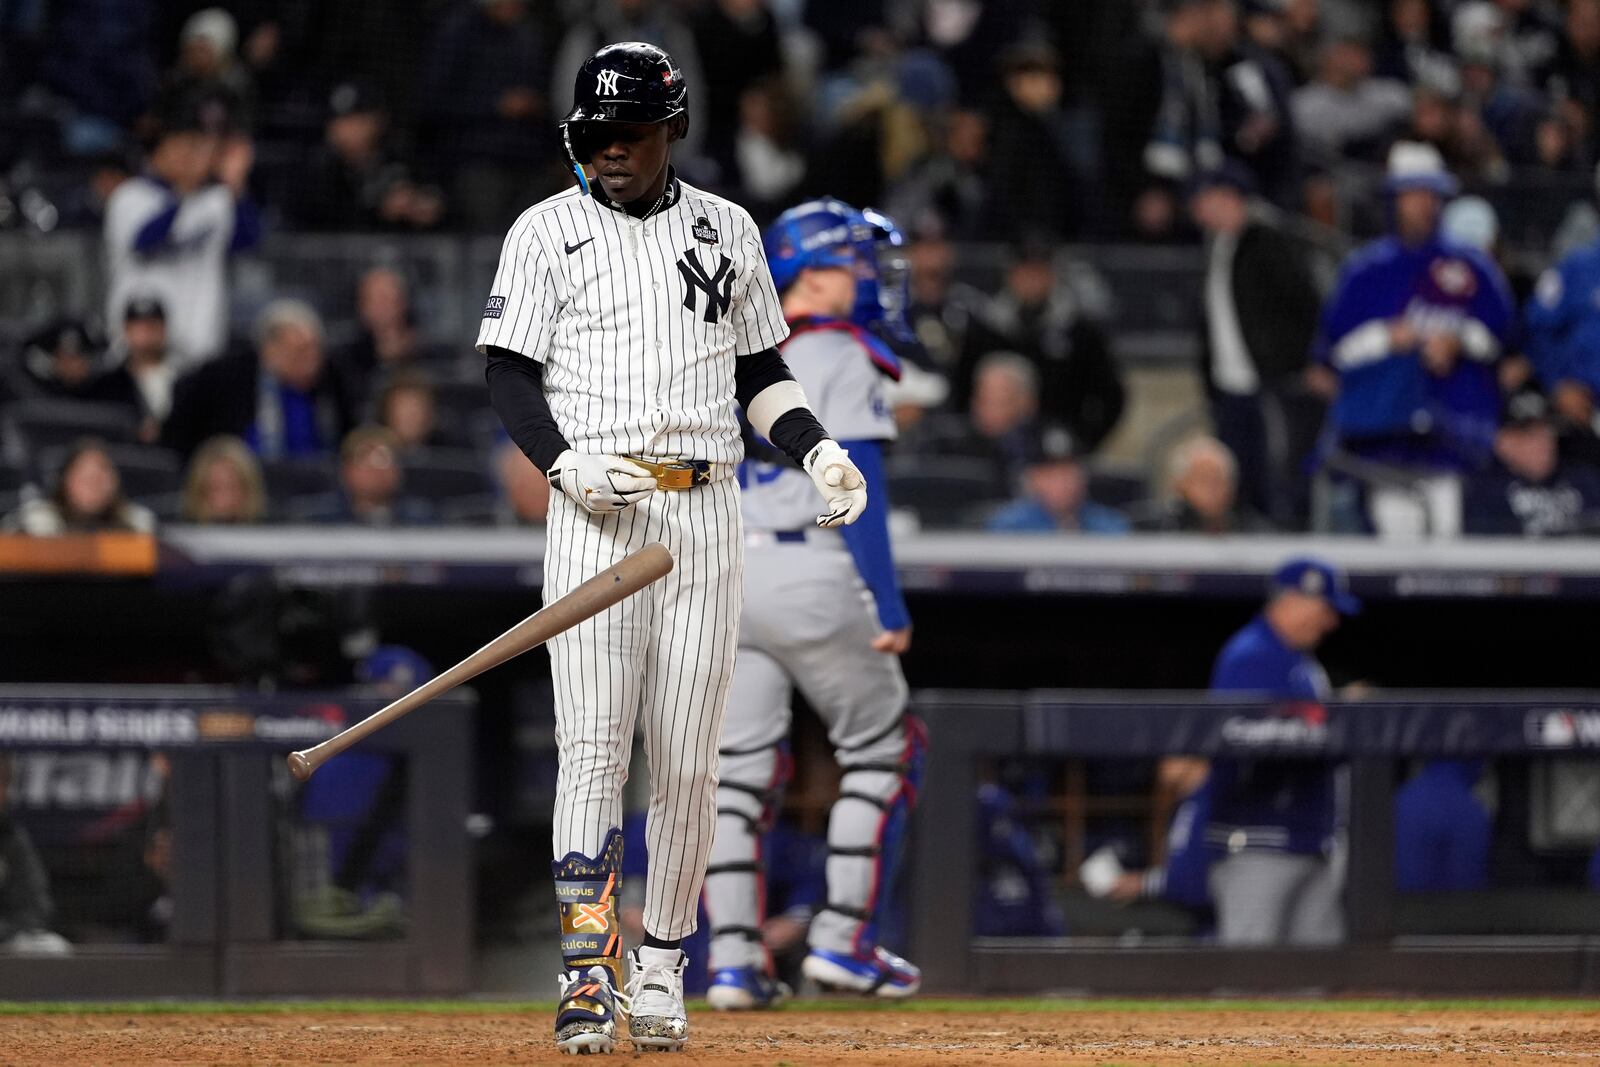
x: 628, y: 316
x: 824, y: 613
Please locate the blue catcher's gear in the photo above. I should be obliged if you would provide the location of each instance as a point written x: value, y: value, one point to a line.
x: 883, y: 282
x: 876, y: 972
x: 813, y: 236
x: 745, y: 989
x: 866, y: 835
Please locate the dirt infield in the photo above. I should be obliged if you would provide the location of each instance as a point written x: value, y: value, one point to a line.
x: 815, y: 1036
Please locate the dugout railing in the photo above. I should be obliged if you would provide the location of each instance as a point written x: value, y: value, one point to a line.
x: 1553, y: 947
x: 223, y: 804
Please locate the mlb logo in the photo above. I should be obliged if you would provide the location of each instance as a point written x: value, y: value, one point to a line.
x: 495, y: 307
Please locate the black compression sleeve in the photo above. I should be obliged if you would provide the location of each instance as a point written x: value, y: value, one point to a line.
x: 797, y: 432
x: 755, y: 372
x: 516, y: 390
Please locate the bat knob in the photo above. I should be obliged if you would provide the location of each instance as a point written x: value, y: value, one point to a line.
x: 300, y: 766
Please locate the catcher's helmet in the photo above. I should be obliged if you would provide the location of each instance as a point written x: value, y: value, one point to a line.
x: 883, y: 294
x: 813, y: 235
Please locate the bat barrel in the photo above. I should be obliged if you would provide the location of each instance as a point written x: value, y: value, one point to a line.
x: 608, y: 587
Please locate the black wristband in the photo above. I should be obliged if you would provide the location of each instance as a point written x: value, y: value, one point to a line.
x: 797, y: 432
x: 516, y: 391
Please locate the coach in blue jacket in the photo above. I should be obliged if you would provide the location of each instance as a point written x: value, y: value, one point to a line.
x: 1273, y: 822
x: 1414, y: 331
x: 1563, y: 321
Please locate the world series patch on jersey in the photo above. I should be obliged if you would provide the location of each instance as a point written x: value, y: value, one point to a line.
x: 637, y: 321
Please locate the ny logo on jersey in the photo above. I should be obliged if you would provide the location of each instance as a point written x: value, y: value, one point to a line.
x: 718, y: 287
x: 606, y: 82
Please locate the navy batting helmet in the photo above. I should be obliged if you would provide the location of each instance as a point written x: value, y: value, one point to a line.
x: 630, y: 81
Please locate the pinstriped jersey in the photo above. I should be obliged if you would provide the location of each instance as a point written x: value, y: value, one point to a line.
x: 638, y: 322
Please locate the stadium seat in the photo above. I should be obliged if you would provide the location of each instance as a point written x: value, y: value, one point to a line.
x: 953, y: 493
x: 1116, y: 486
x: 14, y: 483
x: 937, y: 433
x: 438, y: 474
x: 288, y: 480
x: 472, y: 511
x: 31, y: 426
x: 14, y: 479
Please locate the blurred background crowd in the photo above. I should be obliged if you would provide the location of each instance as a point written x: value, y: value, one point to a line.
x: 1139, y: 279
x: 1188, y: 266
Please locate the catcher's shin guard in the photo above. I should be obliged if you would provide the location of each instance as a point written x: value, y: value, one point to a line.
x: 735, y: 896
x: 586, y: 891
x: 866, y: 836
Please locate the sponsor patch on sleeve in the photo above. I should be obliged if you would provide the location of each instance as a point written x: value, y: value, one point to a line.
x: 495, y: 307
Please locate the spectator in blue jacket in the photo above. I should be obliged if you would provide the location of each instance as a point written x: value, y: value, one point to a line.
x: 1414, y: 332
x: 1563, y: 323
x: 1056, y: 494
x: 1273, y: 822
x: 1441, y: 831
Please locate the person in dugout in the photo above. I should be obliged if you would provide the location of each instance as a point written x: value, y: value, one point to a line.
x: 1274, y: 823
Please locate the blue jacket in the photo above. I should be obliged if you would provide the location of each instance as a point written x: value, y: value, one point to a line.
x: 1183, y: 878
x: 1441, y: 832
x: 1563, y: 321
x: 1278, y: 805
x: 1014, y: 896
x: 1390, y: 409
x: 1029, y: 516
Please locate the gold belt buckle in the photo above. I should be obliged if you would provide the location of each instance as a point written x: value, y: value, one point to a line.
x: 677, y: 473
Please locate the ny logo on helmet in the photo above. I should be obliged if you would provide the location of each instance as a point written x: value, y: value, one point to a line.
x: 717, y: 287
x: 607, y: 82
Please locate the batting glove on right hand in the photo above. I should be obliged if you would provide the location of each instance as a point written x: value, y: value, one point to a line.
x: 599, y: 484
x: 840, y: 483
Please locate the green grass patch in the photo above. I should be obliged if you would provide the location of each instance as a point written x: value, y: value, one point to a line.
x: 1043, y: 1005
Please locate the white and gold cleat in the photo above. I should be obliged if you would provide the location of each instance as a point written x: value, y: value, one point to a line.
x: 657, y: 1021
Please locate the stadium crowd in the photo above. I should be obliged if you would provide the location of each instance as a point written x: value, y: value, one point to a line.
x: 1434, y: 388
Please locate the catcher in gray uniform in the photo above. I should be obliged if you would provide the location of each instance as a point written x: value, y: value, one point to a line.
x: 824, y: 613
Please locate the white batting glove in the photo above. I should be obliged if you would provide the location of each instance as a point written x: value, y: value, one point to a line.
x: 600, y: 484
x: 840, y: 483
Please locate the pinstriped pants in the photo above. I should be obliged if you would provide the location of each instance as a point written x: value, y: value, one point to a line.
x: 663, y: 657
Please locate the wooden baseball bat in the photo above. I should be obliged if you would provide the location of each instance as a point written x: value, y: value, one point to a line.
x: 609, y: 587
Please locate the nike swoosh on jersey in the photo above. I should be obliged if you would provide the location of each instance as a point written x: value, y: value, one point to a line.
x: 573, y: 248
